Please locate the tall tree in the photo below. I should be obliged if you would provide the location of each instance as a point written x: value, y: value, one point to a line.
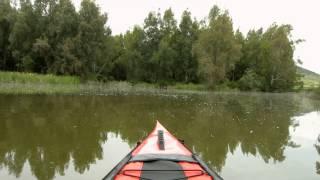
x: 50, y: 36
x: 168, y: 23
x: 23, y: 35
x: 186, y: 64
x: 132, y: 59
x: 152, y: 30
x: 217, y: 47
x: 7, y: 20
x: 246, y: 69
x: 277, y: 65
x: 119, y: 65
x: 42, y: 48
x: 164, y: 57
x: 62, y: 31
x: 91, y: 38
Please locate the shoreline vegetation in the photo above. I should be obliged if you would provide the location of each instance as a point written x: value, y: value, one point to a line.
x: 31, y: 84
x: 54, y: 37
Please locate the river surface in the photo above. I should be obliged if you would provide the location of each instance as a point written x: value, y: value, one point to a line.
x: 242, y: 136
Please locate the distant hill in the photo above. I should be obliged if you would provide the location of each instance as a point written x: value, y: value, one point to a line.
x: 304, y: 71
x: 310, y: 78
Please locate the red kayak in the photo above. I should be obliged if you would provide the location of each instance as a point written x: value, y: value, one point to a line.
x: 161, y: 156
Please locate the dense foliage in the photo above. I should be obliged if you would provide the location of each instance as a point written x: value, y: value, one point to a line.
x: 51, y: 36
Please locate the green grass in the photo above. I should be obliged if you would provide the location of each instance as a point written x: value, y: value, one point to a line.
x: 189, y: 86
x: 31, y: 83
x: 310, y: 83
x: 25, y: 78
x: 28, y: 88
x: 311, y: 80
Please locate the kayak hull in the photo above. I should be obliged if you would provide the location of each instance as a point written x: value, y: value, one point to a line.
x: 161, y: 156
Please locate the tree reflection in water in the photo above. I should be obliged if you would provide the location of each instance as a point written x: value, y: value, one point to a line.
x: 51, y: 132
x: 317, y: 145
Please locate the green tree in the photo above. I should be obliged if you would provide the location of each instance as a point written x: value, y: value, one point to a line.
x: 41, y: 53
x: 246, y: 69
x: 268, y: 57
x: 22, y: 37
x: 163, y: 60
x: 186, y: 64
x: 217, y: 47
x: 153, y: 35
x: 250, y: 81
x: 277, y: 65
x: 132, y: 57
x: 240, y: 66
x: 168, y: 24
x: 43, y: 50
x: 50, y: 36
x: 164, y: 57
x: 119, y: 66
x: 91, y: 38
x: 7, y: 20
x: 62, y: 31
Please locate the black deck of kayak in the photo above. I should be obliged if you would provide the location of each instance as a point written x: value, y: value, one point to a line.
x: 164, y: 166
x: 161, y: 166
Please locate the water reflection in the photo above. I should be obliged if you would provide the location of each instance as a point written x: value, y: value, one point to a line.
x: 53, y: 133
x: 317, y: 145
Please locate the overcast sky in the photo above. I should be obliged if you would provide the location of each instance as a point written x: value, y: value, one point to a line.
x: 246, y: 14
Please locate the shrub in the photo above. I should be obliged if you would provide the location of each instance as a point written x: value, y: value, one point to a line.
x: 249, y: 81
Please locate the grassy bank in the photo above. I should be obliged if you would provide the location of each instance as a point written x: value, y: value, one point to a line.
x: 30, y: 83
x: 310, y: 83
x: 311, y: 80
x: 31, y: 78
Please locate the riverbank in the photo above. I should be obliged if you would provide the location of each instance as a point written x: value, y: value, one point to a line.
x: 30, y: 83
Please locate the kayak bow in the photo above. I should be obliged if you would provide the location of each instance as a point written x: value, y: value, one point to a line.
x: 161, y: 156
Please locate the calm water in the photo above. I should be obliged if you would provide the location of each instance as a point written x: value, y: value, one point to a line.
x: 242, y: 136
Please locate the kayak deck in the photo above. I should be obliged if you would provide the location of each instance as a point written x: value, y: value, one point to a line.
x: 161, y: 156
